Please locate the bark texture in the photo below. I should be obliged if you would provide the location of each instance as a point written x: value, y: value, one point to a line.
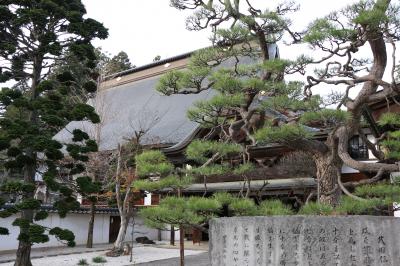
x: 124, y: 207
x: 328, y: 169
x: 182, y: 245
x: 23, y: 254
x: 119, y: 243
x: 24, y: 247
x: 89, y: 242
x: 172, y: 236
x: 368, y: 94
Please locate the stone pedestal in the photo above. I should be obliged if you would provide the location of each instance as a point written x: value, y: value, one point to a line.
x: 305, y: 241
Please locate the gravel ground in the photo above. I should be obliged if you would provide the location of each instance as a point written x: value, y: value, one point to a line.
x: 141, y: 255
x: 9, y: 255
x: 193, y: 260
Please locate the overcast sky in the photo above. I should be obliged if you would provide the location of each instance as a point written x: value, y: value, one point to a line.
x: 146, y: 28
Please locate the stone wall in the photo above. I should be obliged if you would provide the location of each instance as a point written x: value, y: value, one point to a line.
x: 305, y: 241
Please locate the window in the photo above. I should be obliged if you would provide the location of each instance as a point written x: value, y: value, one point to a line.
x: 358, y: 149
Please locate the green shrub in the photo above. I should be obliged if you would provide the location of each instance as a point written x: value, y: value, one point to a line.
x: 224, y: 197
x: 314, y: 208
x: 350, y: 206
x: 83, y: 262
x: 274, y: 207
x: 99, y: 259
x: 244, y: 207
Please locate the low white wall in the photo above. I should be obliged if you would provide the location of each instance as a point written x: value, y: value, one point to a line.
x: 142, y: 230
x: 77, y: 223
x: 166, y: 235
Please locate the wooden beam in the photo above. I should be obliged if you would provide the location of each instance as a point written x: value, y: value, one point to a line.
x: 275, y: 172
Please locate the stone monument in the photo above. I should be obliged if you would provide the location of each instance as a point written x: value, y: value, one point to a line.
x: 305, y: 241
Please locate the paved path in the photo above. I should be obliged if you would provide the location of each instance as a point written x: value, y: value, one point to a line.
x: 9, y: 255
x: 144, y: 255
x: 140, y: 255
x: 193, y: 260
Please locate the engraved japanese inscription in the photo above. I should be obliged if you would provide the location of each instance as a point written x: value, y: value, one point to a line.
x: 305, y: 241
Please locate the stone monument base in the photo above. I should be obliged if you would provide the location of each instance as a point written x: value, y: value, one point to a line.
x: 305, y: 241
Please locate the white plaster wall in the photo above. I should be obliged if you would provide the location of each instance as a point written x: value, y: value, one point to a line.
x: 396, y: 213
x: 373, y: 140
x: 77, y: 223
x: 147, y: 199
x: 142, y: 230
x: 9, y: 241
x: 165, y: 235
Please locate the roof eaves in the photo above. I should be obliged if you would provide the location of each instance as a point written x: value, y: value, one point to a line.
x: 184, y: 142
x: 158, y: 63
x: 276, y: 184
x: 147, y: 66
x: 82, y: 209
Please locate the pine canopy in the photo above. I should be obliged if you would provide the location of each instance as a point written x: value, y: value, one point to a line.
x: 33, y: 35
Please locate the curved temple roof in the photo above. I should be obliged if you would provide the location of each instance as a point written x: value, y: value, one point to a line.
x: 136, y: 106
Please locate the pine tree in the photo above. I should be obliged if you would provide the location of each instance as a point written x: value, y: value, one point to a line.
x: 108, y: 65
x: 33, y: 34
x: 121, y: 176
x: 159, y: 175
x: 254, y: 104
x: 89, y: 189
x: 382, y: 194
x: 84, y: 89
x: 84, y: 86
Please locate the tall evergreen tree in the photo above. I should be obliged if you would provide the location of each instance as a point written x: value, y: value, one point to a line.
x: 82, y: 89
x: 84, y: 85
x: 33, y: 34
x: 110, y: 65
x: 84, y: 78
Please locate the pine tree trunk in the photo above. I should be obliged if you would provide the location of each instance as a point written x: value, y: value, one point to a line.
x: 119, y: 243
x: 24, y: 248
x: 23, y: 254
x: 328, y: 170
x: 89, y: 242
x: 172, y: 236
x: 182, y: 245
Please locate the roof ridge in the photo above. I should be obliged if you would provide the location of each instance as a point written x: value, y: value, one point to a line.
x: 150, y: 65
x: 157, y: 63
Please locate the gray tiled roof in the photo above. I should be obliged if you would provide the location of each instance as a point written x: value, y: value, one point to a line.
x: 137, y: 105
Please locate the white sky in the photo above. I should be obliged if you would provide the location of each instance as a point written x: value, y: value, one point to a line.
x: 146, y: 28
